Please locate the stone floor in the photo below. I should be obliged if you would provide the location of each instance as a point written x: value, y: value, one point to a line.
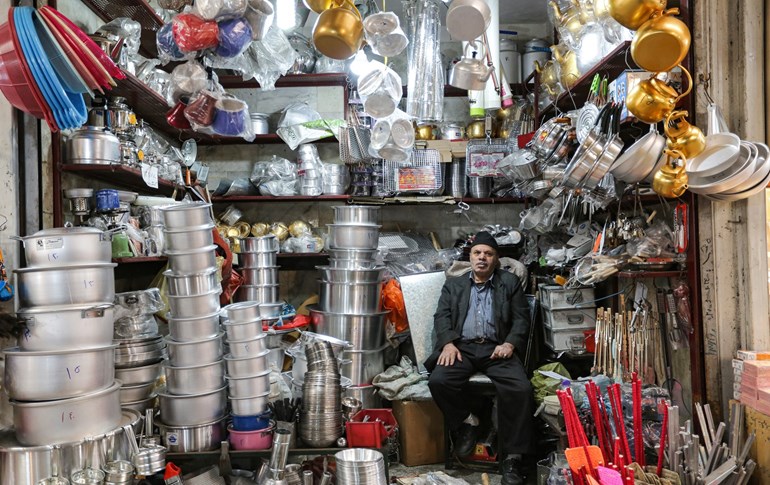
x: 473, y: 477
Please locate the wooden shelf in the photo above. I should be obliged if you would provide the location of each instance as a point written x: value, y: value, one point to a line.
x: 271, y: 198
x: 141, y: 259
x: 453, y: 92
x: 649, y: 274
x: 139, y: 10
x: 289, y: 81
x: 269, y: 139
x: 363, y: 200
x: 120, y: 175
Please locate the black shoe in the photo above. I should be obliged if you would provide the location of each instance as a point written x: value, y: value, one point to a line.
x: 513, y: 470
x: 464, y: 439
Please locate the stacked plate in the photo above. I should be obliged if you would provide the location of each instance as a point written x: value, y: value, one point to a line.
x: 196, y: 392
x: 258, y: 258
x: 360, y: 466
x: 321, y: 412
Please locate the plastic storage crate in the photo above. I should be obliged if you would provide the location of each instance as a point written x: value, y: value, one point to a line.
x: 370, y: 428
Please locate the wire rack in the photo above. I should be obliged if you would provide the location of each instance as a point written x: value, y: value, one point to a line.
x: 422, y: 173
x: 483, y: 155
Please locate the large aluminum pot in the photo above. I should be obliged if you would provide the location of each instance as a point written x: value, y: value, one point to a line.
x: 67, y: 327
x: 195, y: 409
x: 58, y: 374
x: 91, y: 145
x: 136, y: 392
x: 249, y: 406
x: 342, y: 236
x: 71, y: 285
x: 260, y: 276
x: 244, y: 330
x: 191, y: 439
x: 66, y: 420
x: 249, y: 385
x: 194, y: 305
x: 264, y: 244
x: 360, y: 366
x: 247, y: 348
x: 192, y: 284
x: 196, y: 352
x: 188, y: 238
x: 356, y: 214
x: 193, y: 261
x: 192, y: 329
x: 351, y: 275
x: 138, y: 375
x: 257, y: 293
x: 352, y: 258
x: 363, y: 332
x: 366, y: 394
x: 350, y: 298
x: 246, y: 311
x: 258, y: 260
x: 66, y: 246
x: 247, y: 366
x: 195, y: 379
x: 182, y: 216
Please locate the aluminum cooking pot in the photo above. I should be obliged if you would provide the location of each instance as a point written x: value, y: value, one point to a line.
x: 66, y: 285
x: 93, y: 146
x: 67, y: 245
x: 68, y: 327
x: 339, y: 32
x: 190, y: 439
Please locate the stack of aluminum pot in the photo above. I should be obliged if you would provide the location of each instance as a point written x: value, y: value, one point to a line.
x: 248, y: 369
x: 61, y: 377
x: 258, y: 258
x: 194, y: 404
x: 140, y: 348
x: 350, y: 293
x: 320, y: 418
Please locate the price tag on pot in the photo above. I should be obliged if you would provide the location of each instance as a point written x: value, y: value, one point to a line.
x: 150, y: 175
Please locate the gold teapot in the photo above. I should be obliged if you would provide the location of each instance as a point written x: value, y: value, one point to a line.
x: 568, y: 70
x: 549, y: 76
x: 661, y: 43
x: 633, y: 13
x: 601, y: 9
x: 683, y: 137
x: 476, y: 129
x: 652, y: 100
x: 671, y: 180
x: 424, y: 131
x: 569, y: 20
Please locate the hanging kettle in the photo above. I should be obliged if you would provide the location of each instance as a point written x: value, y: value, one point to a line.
x: 661, y: 43
x: 652, y: 100
x: 682, y: 136
x: 470, y: 73
x: 633, y: 13
x: 671, y: 180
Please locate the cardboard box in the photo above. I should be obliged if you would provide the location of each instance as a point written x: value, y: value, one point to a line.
x: 756, y: 368
x: 420, y: 432
x: 753, y: 355
x: 737, y: 365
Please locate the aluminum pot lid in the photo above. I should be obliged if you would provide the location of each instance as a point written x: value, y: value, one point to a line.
x: 64, y: 231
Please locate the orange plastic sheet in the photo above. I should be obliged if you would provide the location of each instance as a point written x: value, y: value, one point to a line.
x: 393, y: 302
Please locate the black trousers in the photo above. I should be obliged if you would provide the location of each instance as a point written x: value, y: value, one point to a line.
x: 515, y: 400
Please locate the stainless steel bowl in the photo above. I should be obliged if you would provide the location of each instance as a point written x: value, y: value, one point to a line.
x: 260, y: 276
x: 195, y: 379
x: 353, y: 237
x: 243, y: 331
x: 247, y: 366
x: 245, y: 311
x: 258, y: 260
x: 264, y: 244
x: 136, y: 392
x: 247, y: 348
x: 194, y: 305
x: 191, y: 439
x: 67, y: 327
x: 197, y: 352
x: 189, y: 238
x: 366, y: 394
x: 257, y: 293
x: 356, y: 214
x: 361, y: 366
x: 92, y: 284
x: 253, y: 385
x: 66, y: 246
x: 194, y: 261
x: 67, y: 420
x: 61, y: 374
x: 195, y: 409
x: 138, y: 375
x: 194, y: 329
x: 363, y: 332
x: 249, y: 406
x: 181, y: 216
x: 192, y: 284
x: 351, y: 275
x: 363, y: 298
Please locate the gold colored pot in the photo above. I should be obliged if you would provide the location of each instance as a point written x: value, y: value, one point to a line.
x: 339, y: 32
x: 652, y: 100
x: 568, y: 70
x: 601, y: 9
x: 476, y: 129
x: 633, y: 13
x: 661, y: 43
x: 259, y: 229
x: 671, y: 180
x: 569, y: 20
x: 319, y: 6
x: 424, y: 131
x: 682, y: 136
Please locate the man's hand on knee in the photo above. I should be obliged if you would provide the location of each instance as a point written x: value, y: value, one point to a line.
x: 504, y: 351
x: 449, y: 354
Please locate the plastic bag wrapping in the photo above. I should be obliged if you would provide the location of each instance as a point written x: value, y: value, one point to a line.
x: 277, y: 176
x: 168, y: 49
x: 219, y: 9
x: 304, y: 243
x: 187, y: 79
x: 658, y: 241
x: 682, y: 298
x: 335, y: 178
x: 193, y: 33
x: 544, y: 383
x: 130, y: 32
x: 393, y: 303
x: 234, y: 37
x: 273, y: 56
x: 300, y: 124
x: 402, y: 382
x: 380, y: 90
x: 135, y: 303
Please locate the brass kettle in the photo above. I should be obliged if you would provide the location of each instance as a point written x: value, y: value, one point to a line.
x: 568, y: 70
x: 568, y: 20
x: 661, y: 43
x: 549, y: 76
x: 671, y: 180
x: 631, y: 14
x: 652, y: 100
x: 683, y: 137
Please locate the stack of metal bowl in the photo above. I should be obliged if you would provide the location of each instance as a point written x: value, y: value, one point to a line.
x: 350, y: 293
x: 258, y: 258
x: 194, y: 402
x: 248, y: 368
x: 320, y: 418
x: 140, y: 348
x: 61, y: 377
x: 360, y: 466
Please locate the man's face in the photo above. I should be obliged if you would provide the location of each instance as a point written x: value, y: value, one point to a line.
x: 483, y: 261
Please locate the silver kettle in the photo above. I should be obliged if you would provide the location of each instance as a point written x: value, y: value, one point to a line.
x: 470, y: 72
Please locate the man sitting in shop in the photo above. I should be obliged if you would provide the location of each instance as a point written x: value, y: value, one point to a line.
x: 481, y: 324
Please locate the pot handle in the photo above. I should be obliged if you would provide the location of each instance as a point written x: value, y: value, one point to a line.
x: 352, y: 6
x: 689, y: 82
x: 673, y: 155
x: 677, y: 115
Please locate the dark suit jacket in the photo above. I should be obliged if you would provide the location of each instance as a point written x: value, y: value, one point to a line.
x: 509, y: 309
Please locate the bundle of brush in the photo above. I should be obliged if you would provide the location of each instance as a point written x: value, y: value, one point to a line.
x: 11, y: 326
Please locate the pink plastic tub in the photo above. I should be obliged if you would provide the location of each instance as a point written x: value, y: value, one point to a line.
x: 261, y: 439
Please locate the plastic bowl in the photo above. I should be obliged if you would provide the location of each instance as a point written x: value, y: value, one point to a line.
x: 251, y: 423
x: 261, y: 439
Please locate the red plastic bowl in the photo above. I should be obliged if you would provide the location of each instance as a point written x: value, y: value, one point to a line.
x: 16, y: 81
